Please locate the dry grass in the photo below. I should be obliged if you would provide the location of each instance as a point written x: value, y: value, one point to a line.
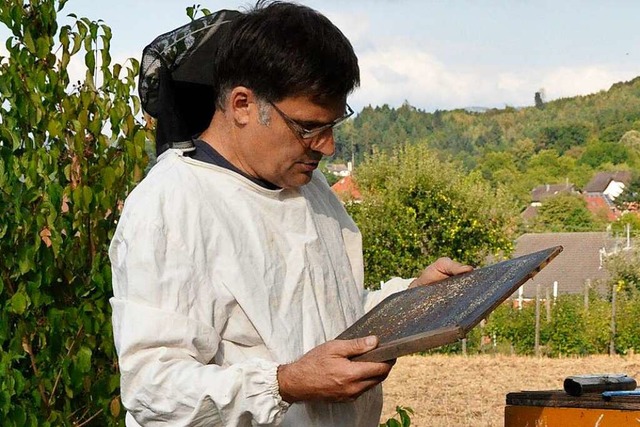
x: 449, y: 391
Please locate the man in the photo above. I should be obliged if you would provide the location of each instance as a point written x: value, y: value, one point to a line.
x: 235, y: 267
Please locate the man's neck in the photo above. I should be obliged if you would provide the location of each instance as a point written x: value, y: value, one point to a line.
x: 222, y: 137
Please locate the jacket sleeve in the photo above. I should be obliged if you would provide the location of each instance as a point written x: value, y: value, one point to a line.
x: 166, y: 341
x: 373, y: 298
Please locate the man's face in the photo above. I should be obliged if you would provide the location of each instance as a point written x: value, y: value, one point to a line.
x: 277, y: 152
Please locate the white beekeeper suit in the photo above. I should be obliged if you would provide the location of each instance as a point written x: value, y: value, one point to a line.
x: 217, y: 281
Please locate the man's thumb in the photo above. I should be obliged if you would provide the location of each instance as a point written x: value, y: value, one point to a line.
x: 362, y: 345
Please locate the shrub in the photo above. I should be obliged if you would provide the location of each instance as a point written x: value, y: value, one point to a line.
x: 69, y: 154
x: 417, y: 208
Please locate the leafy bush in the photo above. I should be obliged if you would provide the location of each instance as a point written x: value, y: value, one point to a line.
x: 572, y: 330
x: 417, y: 208
x: 68, y: 156
x: 627, y: 325
x: 567, y: 333
x: 515, y: 326
x: 564, y: 213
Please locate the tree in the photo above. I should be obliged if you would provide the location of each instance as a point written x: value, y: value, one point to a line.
x: 563, y: 137
x: 565, y: 212
x: 498, y: 167
x: 624, y: 268
x: 599, y: 153
x: 630, y: 196
x: 69, y: 154
x: 631, y: 140
x: 630, y: 220
x: 539, y: 99
x: 417, y: 208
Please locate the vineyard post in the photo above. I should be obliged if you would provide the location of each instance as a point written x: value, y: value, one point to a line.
x: 537, y: 337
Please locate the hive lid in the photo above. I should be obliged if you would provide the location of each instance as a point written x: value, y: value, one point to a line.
x: 426, y: 317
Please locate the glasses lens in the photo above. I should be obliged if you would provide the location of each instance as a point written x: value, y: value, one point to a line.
x: 312, y: 133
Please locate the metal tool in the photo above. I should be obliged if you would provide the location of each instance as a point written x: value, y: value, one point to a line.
x: 598, y: 383
x: 607, y: 395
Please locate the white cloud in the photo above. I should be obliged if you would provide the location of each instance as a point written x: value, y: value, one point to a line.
x: 566, y: 82
x: 395, y: 71
x: 355, y: 26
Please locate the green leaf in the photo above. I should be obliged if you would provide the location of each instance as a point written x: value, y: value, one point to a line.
x: 87, y: 196
x: 28, y: 41
x: 90, y: 60
x: 139, y: 140
x: 404, y: 418
x: 19, y: 416
x: 77, y: 43
x: 108, y: 177
x: 191, y: 12
x: 83, y: 359
x: 42, y: 47
x: 26, y: 263
x: 17, y: 143
x: 392, y: 422
x: 54, y: 128
x: 19, y: 303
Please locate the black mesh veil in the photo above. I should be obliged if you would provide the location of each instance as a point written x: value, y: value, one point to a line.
x: 176, y: 75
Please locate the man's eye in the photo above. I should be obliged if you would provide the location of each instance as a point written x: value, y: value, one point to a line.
x: 310, y: 125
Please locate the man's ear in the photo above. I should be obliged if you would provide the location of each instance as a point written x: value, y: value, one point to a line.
x: 240, y: 104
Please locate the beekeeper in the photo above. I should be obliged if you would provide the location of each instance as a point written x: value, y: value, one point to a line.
x: 234, y: 265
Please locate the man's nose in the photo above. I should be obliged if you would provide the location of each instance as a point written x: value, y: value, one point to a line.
x: 325, y: 144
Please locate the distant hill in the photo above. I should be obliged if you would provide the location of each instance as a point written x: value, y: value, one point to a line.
x: 560, y: 140
x: 476, y: 109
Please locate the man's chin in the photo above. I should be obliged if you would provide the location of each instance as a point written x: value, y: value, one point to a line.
x: 298, y: 180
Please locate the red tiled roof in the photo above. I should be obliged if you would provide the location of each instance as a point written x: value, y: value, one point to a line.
x: 598, y: 204
x: 346, y: 189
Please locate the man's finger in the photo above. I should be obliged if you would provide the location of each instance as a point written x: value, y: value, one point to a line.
x: 449, y: 267
x: 357, y: 346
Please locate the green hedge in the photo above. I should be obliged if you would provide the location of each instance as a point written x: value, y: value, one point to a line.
x: 572, y: 330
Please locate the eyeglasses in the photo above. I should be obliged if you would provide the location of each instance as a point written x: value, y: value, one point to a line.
x: 305, y: 133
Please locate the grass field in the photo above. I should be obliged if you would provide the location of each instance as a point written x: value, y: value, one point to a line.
x: 448, y: 391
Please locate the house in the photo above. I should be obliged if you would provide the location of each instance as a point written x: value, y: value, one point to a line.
x: 340, y: 169
x: 542, y: 193
x: 601, y: 206
x: 608, y: 184
x: 581, y: 262
x: 347, y: 190
x: 603, y: 189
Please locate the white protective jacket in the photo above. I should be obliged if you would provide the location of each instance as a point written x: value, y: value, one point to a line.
x: 216, y: 282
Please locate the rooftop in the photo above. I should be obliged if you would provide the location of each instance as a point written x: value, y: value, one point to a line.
x: 580, y: 260
x: 601, y: 180
x: 346, y: 189
x: 542, y: 192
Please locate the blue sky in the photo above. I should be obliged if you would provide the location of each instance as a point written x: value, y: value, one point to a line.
x: 441, y: 54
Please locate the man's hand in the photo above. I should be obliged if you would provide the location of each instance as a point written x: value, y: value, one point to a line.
x: 326, y: 373
x: 441, y: 269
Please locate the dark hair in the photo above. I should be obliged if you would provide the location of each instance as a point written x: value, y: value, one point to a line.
x: 281, y: 49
